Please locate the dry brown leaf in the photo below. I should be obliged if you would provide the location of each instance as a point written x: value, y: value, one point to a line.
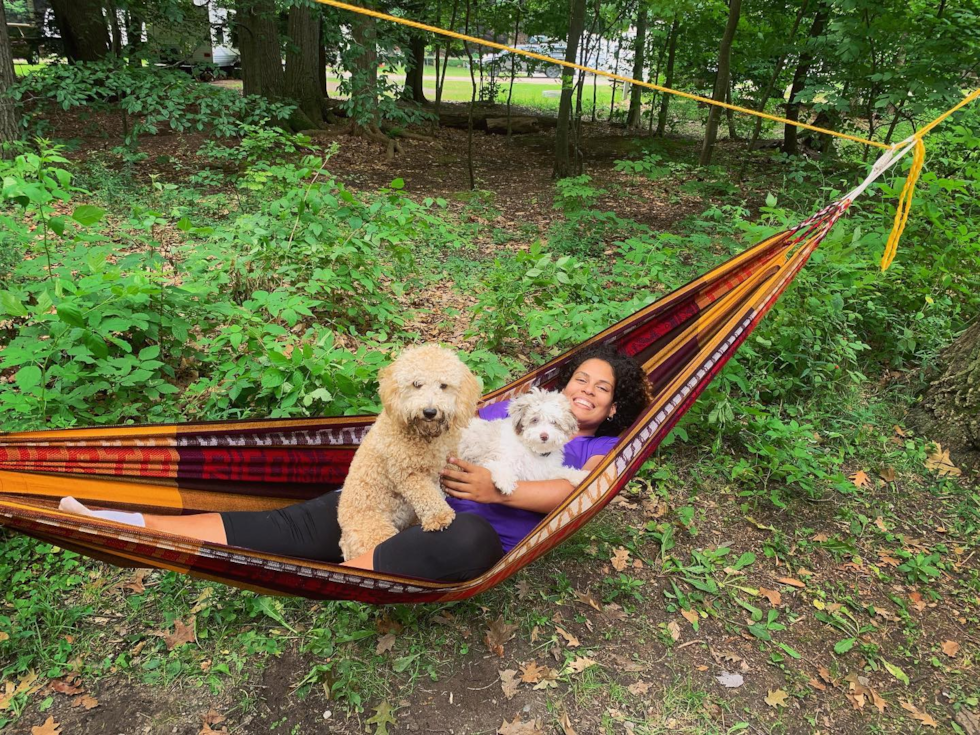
x: 386, y: 625
x: 27, y: 685
x: 85, y: 701
x: 820, y: 537
x: 817, y: 684
x: 385, y: 643
x: 523, y: 589
x: 4, y: 636
x: 918, y: 604
x: 531, y: 673
x: 135, y: 585
x: 203, y: 600
x: 570, y: 640
x: 880, y: 523
x: 566, y: 725
x: 509, y: 683
x: 674, y: 629
x: 50, y: 727
x: 940, y: 462
x: 690, y: 616
x: 639, y: 688
x: 951, y: 648
x: 586, y: 598
x: 517, y: 727
x: 620, y: 559
x: 791, y: 582
x: 535, y: 634
x: 498, y: 634
x: 581, y: 664
x: 64, y: 686
x: 774, y: 596
x: 777, y: 698
x: 825, y: 674
x: 889, y: 560
x: 899, y: 431
x: 860, y: 479
x: 917, y: 714
x: 887, y: 474
x: 183, y: 633
x: 549, y: 679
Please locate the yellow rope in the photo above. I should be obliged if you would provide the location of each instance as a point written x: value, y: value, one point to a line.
x: 918, y: 155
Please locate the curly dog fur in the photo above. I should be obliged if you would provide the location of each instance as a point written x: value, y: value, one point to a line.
x: 428, y: 396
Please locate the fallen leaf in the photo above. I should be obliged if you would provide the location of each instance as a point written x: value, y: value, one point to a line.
x: 203, y: 600
x: 918, y: 604
x: 620, y: 559
x: 86, y: 702
x: 674, y: 629
x: 27, y: 685
x: 570, y: 640
x: 531, y: 673
x: 919, y: 715
x: 50, y: 727
x: 639, y: 688
x: 587, y: 599
x: 549, y: 678
x: 690, y: 616
x: 900, y: 431
x: 4, y: 636
x: 183, y: 633
x: 580, y: 664
x: 969, y: 721
x: 774, y: 597
x: 951, y: 648
x: 880, y: 523
x: 209, y: 721
x: 135, y: 584
x: 825, y: 674
x: 517, y: 727
x: 732, y: 681
x: 385, y: 643
x: 887, y: 474
x: 566, y: 725
x: 791, y: 582
x: 63, y: 686
x: 860, y: 479
x: 382, y: 718
x: 817, y: 684
x: 820, y: 537
x: 509, y: 683
x: 523, y: 589
x: 498, y: 634
x: 777, y: 698
x: 940, y: 462
x: 386, y: 625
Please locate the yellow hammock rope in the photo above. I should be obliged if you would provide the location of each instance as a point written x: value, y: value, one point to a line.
x: 918, y: 156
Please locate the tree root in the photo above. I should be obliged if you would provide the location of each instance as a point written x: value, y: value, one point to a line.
x: 373, y: 132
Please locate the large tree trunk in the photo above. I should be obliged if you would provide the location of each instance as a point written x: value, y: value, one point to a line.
x: 84, y: 33
x: 791, y: 132
x: 258, y: 43
x: 576, y: 24
x: 8, y: 116
x: 633, y: 118
x: 302, y: 61
x: 364, y: 75
x: 415, y: 69
x: 950, y: 409
x: 721, y: 81
x: 668, y: 78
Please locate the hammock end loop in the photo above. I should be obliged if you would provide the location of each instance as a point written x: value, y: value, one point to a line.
x: 904, y: 204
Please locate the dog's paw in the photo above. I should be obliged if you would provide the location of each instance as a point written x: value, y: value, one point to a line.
x: 576, y: 476
x: 439, y: 521
x: 506, y: 485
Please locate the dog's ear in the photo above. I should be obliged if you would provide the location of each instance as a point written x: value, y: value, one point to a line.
x: 518, y: 407
x: 467, y: 398
x: 568, y: 422
x: 387, y: 387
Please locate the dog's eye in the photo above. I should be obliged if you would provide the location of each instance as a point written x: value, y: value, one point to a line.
x: 417, y: 384
x: 534, y: 421
x: 443, y: 386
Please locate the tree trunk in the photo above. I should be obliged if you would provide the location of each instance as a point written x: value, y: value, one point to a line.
x: 115, y: 30
x: 134, y: 37
x: 791, y: 132
x: 415, y: 69
x: 949, y: 412
x: 83, y: 29
x: 730, y: 114
x: 262, y: 72
x: 8, y: 118
x: 576, y: 24
x: 303, y: 83
x: 721, y: 82
x: 469, y: 117
x: 635, y: 115
x: 668, y: 78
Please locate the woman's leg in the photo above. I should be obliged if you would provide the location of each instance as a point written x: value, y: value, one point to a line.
x: 202, y: 526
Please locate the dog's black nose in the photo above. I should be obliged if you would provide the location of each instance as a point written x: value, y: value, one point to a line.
x: 429, y: 413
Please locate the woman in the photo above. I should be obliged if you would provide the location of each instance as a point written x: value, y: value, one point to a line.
x: 607, y: 392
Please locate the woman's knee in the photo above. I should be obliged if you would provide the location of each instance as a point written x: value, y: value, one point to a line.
x: 475, y: 540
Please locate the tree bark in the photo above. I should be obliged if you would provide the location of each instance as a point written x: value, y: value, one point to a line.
x: 84, y: 33
x: 668, y: 78
x: 364, y: 75
x: 791, y: 132
x: 303, y: 52
x: 469, y: 117
x: 576, y: 24
x: 8, y: 117
x: 415, y: 69
x: 949, y: 412
x: 635, y: 115
x: 258, y: 36
x: 721, y: 81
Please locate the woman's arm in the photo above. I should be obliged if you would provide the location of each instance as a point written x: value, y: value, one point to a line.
x: 473, y: 482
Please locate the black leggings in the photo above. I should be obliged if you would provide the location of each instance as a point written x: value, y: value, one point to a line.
x: 310, y: 530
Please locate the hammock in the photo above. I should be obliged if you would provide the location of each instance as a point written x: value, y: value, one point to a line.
x: 682, y: 341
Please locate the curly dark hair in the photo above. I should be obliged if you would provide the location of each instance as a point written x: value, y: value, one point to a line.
x: 631, y: 393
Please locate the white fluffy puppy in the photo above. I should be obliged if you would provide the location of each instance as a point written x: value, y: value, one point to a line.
x: 529, y: 445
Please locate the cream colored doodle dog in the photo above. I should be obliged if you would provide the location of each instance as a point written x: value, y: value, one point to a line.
x: 428, y: 396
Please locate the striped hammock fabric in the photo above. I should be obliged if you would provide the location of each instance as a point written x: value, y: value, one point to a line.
x: 682, y: 340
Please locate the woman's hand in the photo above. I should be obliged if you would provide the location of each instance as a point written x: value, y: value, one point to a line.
x: 470, y: 482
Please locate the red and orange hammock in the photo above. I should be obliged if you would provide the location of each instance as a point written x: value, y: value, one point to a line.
x: 682, y: 340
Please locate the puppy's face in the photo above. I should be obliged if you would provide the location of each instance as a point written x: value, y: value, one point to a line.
x: 429, y: 390
x: 542, y: 420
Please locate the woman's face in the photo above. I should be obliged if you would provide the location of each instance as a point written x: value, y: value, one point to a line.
x: 591, y: 392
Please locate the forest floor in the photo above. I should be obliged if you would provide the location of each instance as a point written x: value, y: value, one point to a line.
x: 847, y: 614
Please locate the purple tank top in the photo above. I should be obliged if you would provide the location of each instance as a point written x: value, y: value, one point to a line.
x: 513, y: 524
